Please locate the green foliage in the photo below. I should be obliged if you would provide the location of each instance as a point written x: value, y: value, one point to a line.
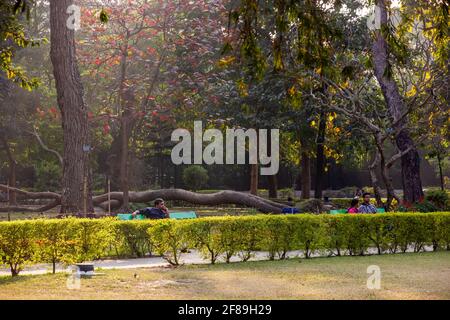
x: 424, y: 206
x: 309, y: 235
x: 169, y: 239
x: 195, y: 177
x: 276, y: 236
x: 76, y: 240
x: 441, y: 231
x: 48, y: 176
x: 103, y: 16
x: 439, y: 198
x: 13, y: 36
x: 337, y: 234
x: 93, y: 236
x: 241, y: 237
x: 238, y: 238
x: 131, y: 238
x: 205, y: 235
x: 54, y: 242
x: 16, y: 245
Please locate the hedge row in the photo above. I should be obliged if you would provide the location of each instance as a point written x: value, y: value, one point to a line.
x: 76, y: 240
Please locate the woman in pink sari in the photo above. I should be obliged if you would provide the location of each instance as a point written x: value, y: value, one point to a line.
x: 353, y: 207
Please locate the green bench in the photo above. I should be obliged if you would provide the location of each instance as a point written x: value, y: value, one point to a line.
x: 183, y: 215
x: 340, y: 211
x: 129, y: 216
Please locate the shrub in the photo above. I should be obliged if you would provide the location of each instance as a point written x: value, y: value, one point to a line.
x: 131, y: 238
x: 94, y: 237
x: 346, y: 233
x: 277, y: 236
x: 75, y: 240
x: 54, y: 242
x: 424, y: 206
x: 195, y: 177
x: 169, y: 238
x: 230, y: 238
x: 205, y: 235
x: 442, y: 230
x: 248, y: 235
x: 334, y: 236
x: 440, y: 198
x: 17, y: 245
x: 308, y: 233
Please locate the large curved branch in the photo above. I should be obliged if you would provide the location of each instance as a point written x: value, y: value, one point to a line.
x: 45, y: 147
x: 32, y: 195
x: 218, y: 198
x: 28, y: 209
x: 116, y: 198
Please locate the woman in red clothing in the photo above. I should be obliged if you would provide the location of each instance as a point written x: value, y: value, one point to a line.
x: 353, y: 207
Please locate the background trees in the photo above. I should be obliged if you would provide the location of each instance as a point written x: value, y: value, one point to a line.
x: 309, y: 34
x: 355, y: 107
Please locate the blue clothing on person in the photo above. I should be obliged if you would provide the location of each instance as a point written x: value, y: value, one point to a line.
x: 367, y: 208
x: 153, y: 213
x: 290, y: 210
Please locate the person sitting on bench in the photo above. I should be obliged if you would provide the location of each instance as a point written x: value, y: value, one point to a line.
x: 366, y: 206
x: 353, y: 206
x: 159, y: 211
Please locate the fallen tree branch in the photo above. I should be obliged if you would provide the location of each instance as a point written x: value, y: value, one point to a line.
x: 32, y: 195
x: 28, y: 209
x: 116, y: 198
x: 218, y: 198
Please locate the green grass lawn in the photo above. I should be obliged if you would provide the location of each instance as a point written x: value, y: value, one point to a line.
x: 403, y: 276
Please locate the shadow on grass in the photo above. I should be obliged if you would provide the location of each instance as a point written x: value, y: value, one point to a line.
x: 8, y: 279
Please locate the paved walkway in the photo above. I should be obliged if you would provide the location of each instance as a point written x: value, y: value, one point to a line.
x: 193, y: 257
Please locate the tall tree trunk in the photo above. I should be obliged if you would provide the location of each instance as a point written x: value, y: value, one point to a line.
x: 320, y: 156
x: 441, y: 174
x: 411, y: 181
x: 387, y: 180
x: 124, y: 142
x: 12, y: 168
x: 12, y: 182
x: 305, y: 166
x: 272, y: 179
x: 73, y: 111
x: 124, y: 185
x: 273, y: 186
x: 410, y: 162
x: 254, y: 179
x: 306, y: 175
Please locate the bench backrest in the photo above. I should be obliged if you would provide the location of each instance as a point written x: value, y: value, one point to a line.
x: 338, y: 211
x: 183, y: 215
x: 129, y: 216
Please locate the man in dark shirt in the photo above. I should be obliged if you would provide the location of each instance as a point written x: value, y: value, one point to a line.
x: 159, y: 211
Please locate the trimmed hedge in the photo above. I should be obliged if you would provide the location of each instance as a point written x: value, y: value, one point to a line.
x: 75, y: 240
